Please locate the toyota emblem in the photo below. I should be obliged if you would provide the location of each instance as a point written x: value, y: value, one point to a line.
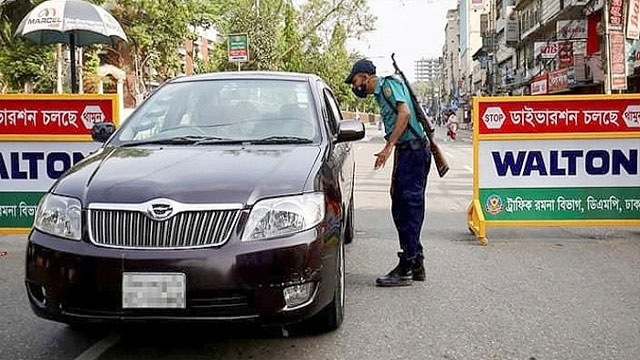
x: 160, y: 211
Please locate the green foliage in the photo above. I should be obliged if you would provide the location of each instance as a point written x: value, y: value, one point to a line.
x: 423, y: 89
x: 293, y: 60
x: 282, y: 36
x: 22, y: 62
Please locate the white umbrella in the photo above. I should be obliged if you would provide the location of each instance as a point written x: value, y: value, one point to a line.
x: 72, y: 22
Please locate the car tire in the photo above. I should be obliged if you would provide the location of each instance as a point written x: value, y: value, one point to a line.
x: 350, y: 231
x: 330, y: 318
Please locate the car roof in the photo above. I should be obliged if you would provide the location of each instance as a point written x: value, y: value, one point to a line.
x: 245, y: 75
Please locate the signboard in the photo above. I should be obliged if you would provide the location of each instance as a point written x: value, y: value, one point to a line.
x: 539, y: 85
x: 618, y: 60
x: 556, y: 161
x: 512, y: 32
x: 546, y: 50
x: 63, y: 116
x: 565, y: 54
x: 584, y: 116
x: 571, y: 29
x: 615, y: 14
x: 41, y: 137
x: 27, y: 171
x: 558, y: 81
x: 633, y: 19
x: 238, y: 49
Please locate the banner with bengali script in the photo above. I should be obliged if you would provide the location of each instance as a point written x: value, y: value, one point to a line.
x: 46, y: 115
x: 541, y: 159
x: 587, y: 115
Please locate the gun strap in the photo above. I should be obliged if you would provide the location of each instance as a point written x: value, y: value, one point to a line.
x: 409, y: 126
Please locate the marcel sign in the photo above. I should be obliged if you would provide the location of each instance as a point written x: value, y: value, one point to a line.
x: 42, y: 137
x: 556, y: 161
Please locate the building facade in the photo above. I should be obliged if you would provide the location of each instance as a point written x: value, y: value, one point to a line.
x: 451, y: 55
x: 470, y: 39
x: 427, y: 70
x: 559, y: 47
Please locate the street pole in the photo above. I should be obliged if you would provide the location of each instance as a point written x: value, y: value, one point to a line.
x: 72, y: 54
x: 607, y: 79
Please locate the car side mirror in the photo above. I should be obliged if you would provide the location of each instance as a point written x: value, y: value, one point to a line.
x: 350, y: 130
x: 102, y: 131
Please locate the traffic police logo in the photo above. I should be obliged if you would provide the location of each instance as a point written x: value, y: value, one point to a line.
x: 387, y: 91
x: 494, y: 205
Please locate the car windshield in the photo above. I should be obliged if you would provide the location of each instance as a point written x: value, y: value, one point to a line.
x: 223, y: 111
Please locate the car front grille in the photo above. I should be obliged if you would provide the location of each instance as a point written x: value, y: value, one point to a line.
x: 185, y: 230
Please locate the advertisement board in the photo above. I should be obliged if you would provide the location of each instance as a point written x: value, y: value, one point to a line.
x: 32, y: 117
x: 615, y: 14
x: 41, y: 137
x: 565, y: 55
x: 27, y: 171
x: 571, y: 29
x: 633, y: 20
x: 556, y: 160
x: 559, y: 81
x: 238, y: 48
x: 545, y: 50
x: 539, y: 85
x: 618, y: 60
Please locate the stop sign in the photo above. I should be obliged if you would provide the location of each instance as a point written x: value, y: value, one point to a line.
x: 494, y: 118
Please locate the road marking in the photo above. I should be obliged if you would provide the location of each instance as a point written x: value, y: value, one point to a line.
x: 99, y: 348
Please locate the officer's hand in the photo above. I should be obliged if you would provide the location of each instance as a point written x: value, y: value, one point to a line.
x: 382, y: 156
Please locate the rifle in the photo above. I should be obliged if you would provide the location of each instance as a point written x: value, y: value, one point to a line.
x: 441, y: 161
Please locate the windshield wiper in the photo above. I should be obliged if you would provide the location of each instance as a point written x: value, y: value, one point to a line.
x: 281, y: 140
x: 178, y: 140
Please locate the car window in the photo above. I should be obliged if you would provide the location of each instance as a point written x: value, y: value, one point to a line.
x: 231, y: 109
x: 333, y: 111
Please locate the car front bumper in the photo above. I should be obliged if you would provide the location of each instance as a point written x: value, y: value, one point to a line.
x: 71, y: 281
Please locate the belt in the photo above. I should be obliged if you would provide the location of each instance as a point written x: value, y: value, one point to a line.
x: 412, y: 144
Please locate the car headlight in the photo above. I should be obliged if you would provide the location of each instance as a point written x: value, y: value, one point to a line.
x: 284, y: 216
x: 60, y: 216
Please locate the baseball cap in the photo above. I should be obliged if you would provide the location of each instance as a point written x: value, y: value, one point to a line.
x: 361, y: 66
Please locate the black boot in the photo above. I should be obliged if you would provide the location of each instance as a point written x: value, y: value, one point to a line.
x: 418, y: 269
x: 401, y: 275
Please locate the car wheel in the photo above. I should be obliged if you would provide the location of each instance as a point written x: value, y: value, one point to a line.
x: 330, y: 318
x: 350, y: 231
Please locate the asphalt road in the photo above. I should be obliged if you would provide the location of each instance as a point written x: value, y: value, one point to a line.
x: 555, y: 293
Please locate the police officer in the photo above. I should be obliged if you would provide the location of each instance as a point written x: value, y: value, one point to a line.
x: 412, y: 161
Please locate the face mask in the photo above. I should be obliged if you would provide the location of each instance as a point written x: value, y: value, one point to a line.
x: 360, y: 90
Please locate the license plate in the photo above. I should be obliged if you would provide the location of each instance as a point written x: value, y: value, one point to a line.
x: 153, y: 290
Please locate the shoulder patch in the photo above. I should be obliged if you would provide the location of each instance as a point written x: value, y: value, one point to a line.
x: 387, y: 91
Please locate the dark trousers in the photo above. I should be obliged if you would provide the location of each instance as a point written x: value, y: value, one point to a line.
x: 410, y: 171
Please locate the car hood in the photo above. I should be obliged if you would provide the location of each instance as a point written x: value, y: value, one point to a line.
x: 203, y: 174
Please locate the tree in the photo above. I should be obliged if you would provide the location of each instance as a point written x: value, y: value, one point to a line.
x: 21, y: 61
x: 423, y: 90
x: 157, y: 30
x: 292, y: 61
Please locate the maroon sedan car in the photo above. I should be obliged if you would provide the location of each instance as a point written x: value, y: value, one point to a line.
x: 224, y: 197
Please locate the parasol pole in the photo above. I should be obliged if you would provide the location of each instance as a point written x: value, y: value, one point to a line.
x: 72, y: 51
